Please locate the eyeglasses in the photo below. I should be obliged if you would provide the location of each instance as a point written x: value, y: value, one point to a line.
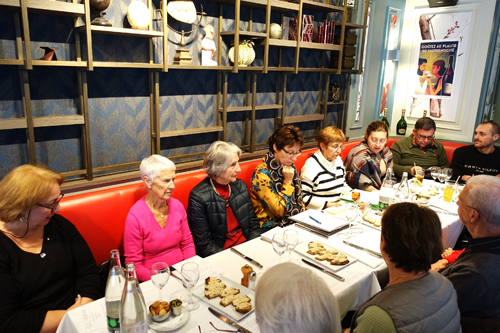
x: 337, y: 147
x: 459, y: 203
x: 54, y: 205
x: 421, y: 137
x: 292, y: 154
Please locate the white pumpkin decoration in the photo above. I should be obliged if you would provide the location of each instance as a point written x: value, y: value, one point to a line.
x: 138, y: 15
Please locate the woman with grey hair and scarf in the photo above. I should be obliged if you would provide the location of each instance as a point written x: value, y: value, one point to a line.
x: 220, y: 213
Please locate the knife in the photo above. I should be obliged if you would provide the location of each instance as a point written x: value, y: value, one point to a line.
x: 225, y: 319
x: 246, y: 257
x: 373, y: 253
x: 338, y: 277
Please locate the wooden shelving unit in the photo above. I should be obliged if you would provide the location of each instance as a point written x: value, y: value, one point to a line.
x: 80, y: 12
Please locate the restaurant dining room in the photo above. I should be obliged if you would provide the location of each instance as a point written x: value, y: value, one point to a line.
x: 293, y: 166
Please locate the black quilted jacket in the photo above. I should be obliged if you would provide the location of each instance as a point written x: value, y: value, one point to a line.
x: 207, y: 219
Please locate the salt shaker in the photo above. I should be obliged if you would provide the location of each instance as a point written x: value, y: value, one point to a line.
x: 252, y: 279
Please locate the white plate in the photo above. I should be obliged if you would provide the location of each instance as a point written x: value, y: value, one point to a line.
x: 302, y: 249
x: 229, y: 310
x: 171, y: 323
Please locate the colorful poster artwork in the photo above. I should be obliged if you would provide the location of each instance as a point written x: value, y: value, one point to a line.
x: 436, y: 68
x: 438, y: 65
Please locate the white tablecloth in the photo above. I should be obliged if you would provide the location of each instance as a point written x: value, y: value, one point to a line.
x: 361, y: 283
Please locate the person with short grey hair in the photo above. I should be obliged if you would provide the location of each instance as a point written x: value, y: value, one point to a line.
x: 475, y: 274
x: 156, y: 228
x: 154, y: 164
x: 218, y: 156
x: 219, y: 211
x: 292, y: 299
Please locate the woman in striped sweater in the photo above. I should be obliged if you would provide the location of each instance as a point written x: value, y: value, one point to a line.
x: 323, y: 174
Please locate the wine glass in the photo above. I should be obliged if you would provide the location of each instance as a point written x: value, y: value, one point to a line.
x: 442, y: 175
x: 291, y: 238
x: 351, y: 214
x: 448, y: 173
x: 160, y: 273
x: 190, y: 273
x: 279, y: 244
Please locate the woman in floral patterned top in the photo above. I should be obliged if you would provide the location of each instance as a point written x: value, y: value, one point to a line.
x: 276, y: 191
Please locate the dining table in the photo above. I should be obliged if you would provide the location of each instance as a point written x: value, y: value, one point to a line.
x: 363, y: 276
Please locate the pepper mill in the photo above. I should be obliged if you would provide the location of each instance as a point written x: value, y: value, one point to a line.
x: 245, y: 270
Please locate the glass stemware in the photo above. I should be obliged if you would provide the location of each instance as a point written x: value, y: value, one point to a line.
x: 190, y: 273
x: 442, y: 175
x: 355, y: 195
x: 160, y: 273
x: 351, y: 214
x: 449, y: 173
x: 434, y: 172
x: 291, y: 238
x: 279, y: 244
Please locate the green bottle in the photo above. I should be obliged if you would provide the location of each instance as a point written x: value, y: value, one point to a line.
x: 384, y: 119
x: 401, y: 126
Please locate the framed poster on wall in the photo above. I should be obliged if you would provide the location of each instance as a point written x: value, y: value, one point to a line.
x: 439, y: 64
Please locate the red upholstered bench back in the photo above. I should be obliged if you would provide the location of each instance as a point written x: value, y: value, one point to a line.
x: 100, y: 215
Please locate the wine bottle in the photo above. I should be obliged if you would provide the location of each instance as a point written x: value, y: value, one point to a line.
x: 425, y: 114
x: 114, y: 290
x: 401, y: 126
x: 384, y: 119
x: 133, y: 314
x: 448, y: 78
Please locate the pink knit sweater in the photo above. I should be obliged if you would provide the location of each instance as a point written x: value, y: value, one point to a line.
x: 146, y: 242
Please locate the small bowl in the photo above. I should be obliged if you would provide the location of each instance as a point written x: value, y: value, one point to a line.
x: 176, y: 307
x: 422, y: 199
x: 159, y: 318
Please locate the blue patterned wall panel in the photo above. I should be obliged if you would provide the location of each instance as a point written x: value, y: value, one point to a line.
x: 59, y: 148
x: 13, y: 150
x: 119, y: 116
x: 7, y: 36
x: 52, y: 31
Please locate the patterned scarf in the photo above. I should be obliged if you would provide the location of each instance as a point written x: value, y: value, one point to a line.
x: 294, y: 205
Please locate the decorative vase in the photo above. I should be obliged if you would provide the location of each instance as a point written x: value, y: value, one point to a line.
x: 246, y: 54
x: 275, y: 31
x: 138, y: 15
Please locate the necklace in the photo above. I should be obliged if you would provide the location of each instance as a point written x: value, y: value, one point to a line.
x: 403, y: 276
x: 217, y: 192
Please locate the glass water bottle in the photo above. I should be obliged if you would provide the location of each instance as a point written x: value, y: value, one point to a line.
x: 114, y: 290
x: 133, y: 315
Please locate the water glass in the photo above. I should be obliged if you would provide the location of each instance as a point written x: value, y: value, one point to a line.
x: 351, y: 214
x: 160, y: 273
x: 190, y: 273
x: 291, y: 238
x: 279, y: 244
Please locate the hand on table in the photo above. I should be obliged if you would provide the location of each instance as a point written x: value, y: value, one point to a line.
x: 79, y: 301
x: 288, y: 173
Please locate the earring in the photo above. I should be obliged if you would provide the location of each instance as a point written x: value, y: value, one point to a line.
x: 22, y: 219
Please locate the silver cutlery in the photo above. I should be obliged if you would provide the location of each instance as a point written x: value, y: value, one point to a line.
x: 225, y: 319
x: 338, y: 277
x: 370, y: 252
x: 246, y: 257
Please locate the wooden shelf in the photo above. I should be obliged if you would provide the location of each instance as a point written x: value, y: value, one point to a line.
x: 321, y: 7
x: 61, y: 8
x: 249, y: 108
x: 276, y: 5
x: 218, y: 68
x: 319, y: 46
x: 13, y: 123
x: 353, y: 26
x: 168, y: 134
x: 245, y: 34
x: 11, y: 62
x: 60, y: 63
x: 121, y: 31
x: 303, y: 119
x: 333, y: 103
x: 58, y: 121
x: 110, y: 64
x: 282, y: 42
x: 319, y: 70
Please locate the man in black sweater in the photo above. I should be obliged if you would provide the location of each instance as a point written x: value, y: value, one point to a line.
x: 482, y: 158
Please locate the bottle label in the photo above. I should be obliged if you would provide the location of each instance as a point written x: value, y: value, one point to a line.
x: 448, y: 87
x: 142, y: 327
x: 402, y: 131
x: 113, y: 324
